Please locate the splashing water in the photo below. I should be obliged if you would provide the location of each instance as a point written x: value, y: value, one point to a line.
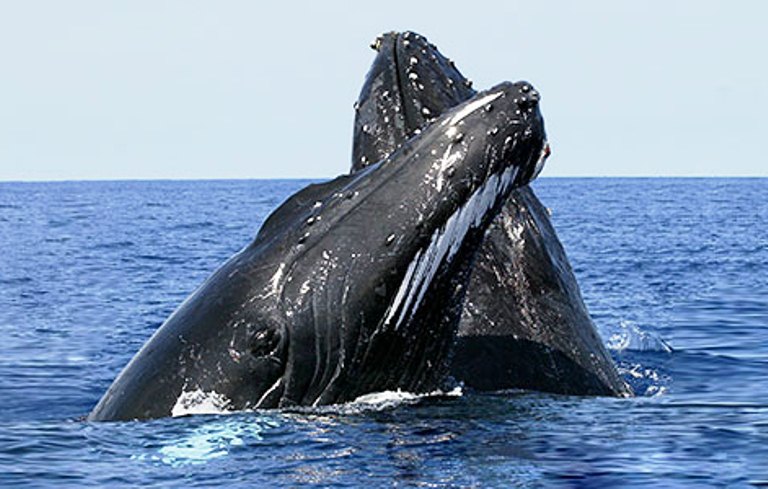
x: 627, y: 341
x: 628, y: 336
x: 200, y: 402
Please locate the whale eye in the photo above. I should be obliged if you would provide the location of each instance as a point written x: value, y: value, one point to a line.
x: 264, y: 342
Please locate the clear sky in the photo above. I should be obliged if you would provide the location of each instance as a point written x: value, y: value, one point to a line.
x: 244, y: 89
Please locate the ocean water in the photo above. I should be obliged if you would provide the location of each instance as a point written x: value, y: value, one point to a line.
x: 674, y: 271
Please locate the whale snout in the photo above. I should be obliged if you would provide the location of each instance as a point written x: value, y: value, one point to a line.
x: 526, y: 96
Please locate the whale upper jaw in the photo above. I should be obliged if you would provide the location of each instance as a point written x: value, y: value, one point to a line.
x: 408, y: 85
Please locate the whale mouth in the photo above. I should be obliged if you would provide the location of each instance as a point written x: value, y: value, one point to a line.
x: 445, y: 243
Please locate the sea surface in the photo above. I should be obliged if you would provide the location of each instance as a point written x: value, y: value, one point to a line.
x: 674, y: 271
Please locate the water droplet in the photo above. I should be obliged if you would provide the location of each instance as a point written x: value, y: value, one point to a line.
x: 406, y: 43
x: 366, y: 128
x: 376, y: 44
x: 426, y: 111
x: 468, y: 83
x: 450, y: 171
x: 412, y: 75
x: 525, y: 88
x: 310, y: 221
x: 363, y: 159
x: 493, y: 131
x: 488, y: 107
x: 390, y: 239
x: 356, y: 105
x: 303, y: 237
x: 458, y: 137
x: 414, y: 60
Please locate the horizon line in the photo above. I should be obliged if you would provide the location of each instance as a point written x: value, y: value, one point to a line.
x: 234, y: 179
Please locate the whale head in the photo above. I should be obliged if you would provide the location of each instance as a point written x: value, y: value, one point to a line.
x: 351, y: 286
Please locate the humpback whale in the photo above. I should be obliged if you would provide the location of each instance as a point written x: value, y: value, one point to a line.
x: 524, y: 323
x: 351, y: 286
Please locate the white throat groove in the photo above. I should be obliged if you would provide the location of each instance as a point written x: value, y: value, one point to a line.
x: 444, y: 244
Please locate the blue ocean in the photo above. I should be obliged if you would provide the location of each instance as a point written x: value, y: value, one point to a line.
x: 674, y: 271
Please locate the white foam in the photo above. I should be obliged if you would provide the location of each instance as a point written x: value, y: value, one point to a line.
x: 399, y: 397
x: 376, y: 401
x: 200, y: 402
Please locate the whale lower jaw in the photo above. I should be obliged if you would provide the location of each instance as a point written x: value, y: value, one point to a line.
x: 444, y: 244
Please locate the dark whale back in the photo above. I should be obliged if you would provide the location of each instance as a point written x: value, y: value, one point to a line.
x: 524, y: 323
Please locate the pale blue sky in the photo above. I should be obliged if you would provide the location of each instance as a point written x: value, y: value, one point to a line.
x: 236, y: 89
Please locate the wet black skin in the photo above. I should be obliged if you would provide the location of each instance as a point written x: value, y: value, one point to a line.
x: 524, y: 323
x: 298, y: 317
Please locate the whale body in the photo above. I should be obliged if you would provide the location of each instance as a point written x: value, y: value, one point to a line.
x: 524, y: 323
x: 350, y: 287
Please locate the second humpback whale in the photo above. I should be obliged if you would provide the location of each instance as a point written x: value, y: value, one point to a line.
x: 524, y: 323
x: 350, y: 287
